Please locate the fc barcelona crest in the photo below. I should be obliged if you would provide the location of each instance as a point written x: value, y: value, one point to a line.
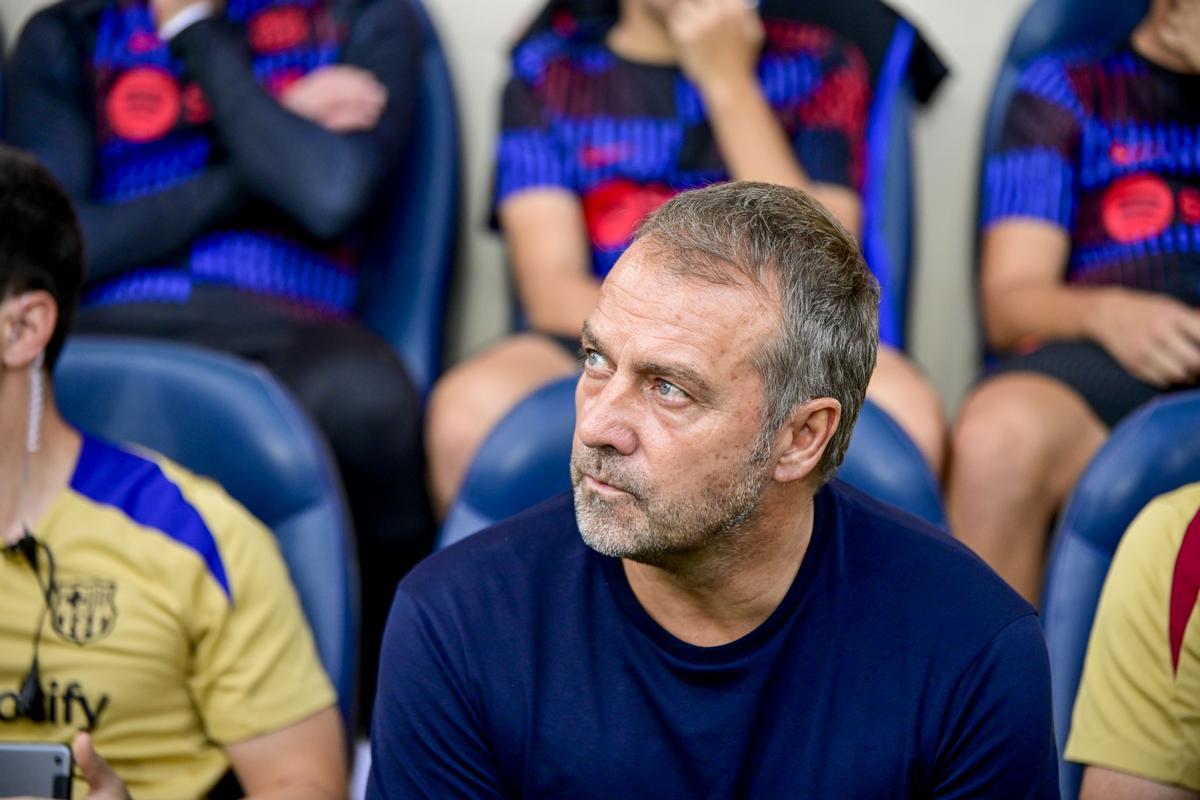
x: 85, y: 610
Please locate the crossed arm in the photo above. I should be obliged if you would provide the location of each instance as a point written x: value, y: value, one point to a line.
x: 321, y: 177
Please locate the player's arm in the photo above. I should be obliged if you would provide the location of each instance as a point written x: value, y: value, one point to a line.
x: 1024, y: 298
x: 538, y: 209
x: 548, y: 248
x: 322, y: 178
x: 302, y: 761
x: 47, y: 117
x: 1106, y: 784
x: 719, y: 43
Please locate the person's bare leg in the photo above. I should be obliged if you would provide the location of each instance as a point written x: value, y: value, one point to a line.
x: 1020, y: 443
x: 468, y: 401
x: 908, y: 398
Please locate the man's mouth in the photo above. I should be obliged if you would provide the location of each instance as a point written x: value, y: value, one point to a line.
x: 603, y: 489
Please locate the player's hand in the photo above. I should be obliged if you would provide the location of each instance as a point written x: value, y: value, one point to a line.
x: 1155, y: 338
x: 164, y: 10
x: 1181, y: 32
x: 103, y: 783
x: 339, y: 98
x: 718, y: 41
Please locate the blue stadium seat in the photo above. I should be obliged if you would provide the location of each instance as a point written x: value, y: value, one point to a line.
x: 232, y: 422
x: 409, y: 261
x: 888, y: 194
x: 526, y: 459
x: 1153, y: 451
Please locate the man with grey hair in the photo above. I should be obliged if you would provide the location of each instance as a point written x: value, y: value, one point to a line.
x: 712, y: 617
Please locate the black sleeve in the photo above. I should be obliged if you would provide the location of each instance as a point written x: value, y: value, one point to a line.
x: 926, y: 69
x: 321, y: 179
x: 48, y: 117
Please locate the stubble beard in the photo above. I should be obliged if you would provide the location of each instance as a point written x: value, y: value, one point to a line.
x: 648, y: 527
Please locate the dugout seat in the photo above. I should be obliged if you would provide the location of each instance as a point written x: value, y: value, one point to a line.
x: 231, y: 421
x: 1153, y: 451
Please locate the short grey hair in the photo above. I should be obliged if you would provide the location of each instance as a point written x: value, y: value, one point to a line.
x: 784, y: 241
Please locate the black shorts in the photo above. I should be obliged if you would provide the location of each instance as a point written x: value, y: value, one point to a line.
x: 1110, y: 391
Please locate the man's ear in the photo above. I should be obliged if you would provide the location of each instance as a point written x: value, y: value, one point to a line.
x: 27, y: 323
x: 804, y: 437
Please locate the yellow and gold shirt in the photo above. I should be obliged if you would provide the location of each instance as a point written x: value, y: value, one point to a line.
x: 1138, y: 708
x: 175, y: 627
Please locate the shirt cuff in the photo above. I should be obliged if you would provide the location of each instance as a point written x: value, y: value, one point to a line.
x: 189, y: 16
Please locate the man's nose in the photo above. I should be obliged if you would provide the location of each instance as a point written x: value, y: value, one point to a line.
x: 604, y: 414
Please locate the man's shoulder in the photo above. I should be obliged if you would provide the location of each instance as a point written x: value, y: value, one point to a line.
x: 923, y: 569
x: 168, y: 504
x: 794, y: 37
x: 556, y: 50
x: 1064, y: 75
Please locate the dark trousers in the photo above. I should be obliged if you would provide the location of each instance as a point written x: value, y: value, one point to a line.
x: 356, y: 390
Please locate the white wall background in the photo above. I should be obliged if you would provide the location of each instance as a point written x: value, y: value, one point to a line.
x: 969, y: 34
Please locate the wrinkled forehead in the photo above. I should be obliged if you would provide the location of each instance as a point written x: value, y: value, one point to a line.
x: 651, y: 300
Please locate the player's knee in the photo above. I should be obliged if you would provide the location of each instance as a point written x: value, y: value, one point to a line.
x: 454, y: 423
x: 997, y: 437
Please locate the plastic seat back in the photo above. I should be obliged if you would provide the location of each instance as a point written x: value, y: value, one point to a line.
x: 230, y: 421
x: 1153, y: 451
x: 409, y: 262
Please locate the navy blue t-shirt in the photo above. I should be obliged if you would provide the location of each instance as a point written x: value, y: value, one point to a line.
x: 520, y: 664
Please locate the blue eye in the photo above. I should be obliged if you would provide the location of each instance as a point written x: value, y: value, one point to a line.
x: 593, y: 359
x: 668, y: 390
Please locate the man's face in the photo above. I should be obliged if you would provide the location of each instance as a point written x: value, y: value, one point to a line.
x: 668, y: 411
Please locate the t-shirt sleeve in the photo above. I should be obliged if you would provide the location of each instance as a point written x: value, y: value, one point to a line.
x: 831, y: 126
x: 1031, y: 173
x: 255, y: 667
x: 998, y: 740
x: 1137, y: 712
x: 427, y: 739
x: 528, y: 155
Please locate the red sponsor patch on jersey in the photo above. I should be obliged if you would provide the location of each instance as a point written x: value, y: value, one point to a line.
x: 195, y: 105
x: 614, y: 208
x: 143, y: 104
x: 279, y: 28
x: 1137, y: 207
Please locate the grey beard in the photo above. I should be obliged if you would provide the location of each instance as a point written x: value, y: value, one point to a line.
x: 660, y: 531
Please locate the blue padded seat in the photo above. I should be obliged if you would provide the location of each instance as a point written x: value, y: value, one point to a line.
x: 231, y: 421
x: 1153, y: 451
x: 409, y: 260
x: 526, y: 459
